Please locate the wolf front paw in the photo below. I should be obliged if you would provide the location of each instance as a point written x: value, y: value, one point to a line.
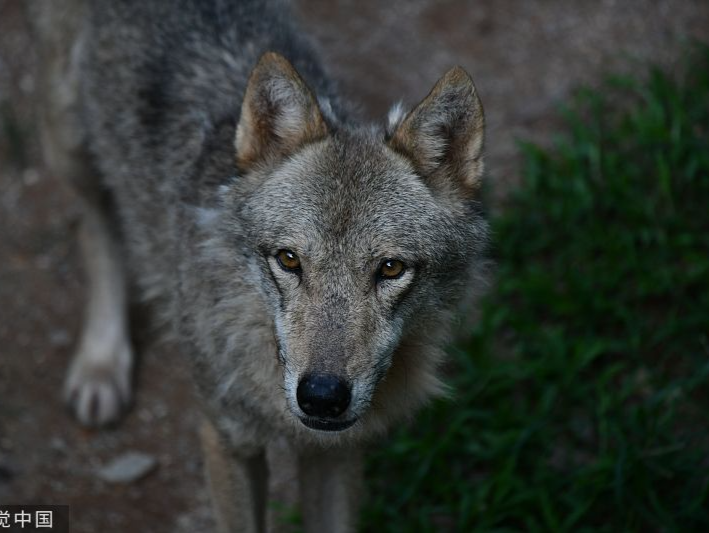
x: 98, y: 385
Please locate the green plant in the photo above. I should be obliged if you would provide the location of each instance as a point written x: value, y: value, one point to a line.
x: 581, y: 398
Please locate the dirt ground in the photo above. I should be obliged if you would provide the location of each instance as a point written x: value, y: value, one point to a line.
x: 525, y: 57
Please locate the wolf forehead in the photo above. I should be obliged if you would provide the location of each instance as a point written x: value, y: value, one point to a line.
x: 352, y: 190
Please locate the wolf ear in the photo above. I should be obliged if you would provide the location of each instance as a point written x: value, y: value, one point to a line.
x: 444, y: 134
x: 279, y: 113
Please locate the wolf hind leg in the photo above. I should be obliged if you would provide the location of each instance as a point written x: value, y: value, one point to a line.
x: 331, y: 483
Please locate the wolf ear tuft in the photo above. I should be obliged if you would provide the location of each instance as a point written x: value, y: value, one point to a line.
x: 443, y: 135
x: 279, y: 113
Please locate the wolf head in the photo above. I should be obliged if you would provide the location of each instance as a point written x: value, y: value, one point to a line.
x: 361, y: 239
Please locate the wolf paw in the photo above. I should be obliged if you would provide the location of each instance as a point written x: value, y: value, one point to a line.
x: 98, y: 385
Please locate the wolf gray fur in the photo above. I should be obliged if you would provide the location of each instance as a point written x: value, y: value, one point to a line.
x: 309, y: 266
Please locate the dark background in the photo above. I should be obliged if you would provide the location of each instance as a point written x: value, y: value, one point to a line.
x: 525, y: 57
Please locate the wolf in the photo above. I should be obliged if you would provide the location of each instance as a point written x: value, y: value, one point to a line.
x: 307, y: 264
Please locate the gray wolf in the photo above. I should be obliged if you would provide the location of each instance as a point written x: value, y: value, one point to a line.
x: 308, y: 265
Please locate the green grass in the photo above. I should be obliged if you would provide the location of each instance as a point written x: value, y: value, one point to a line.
x: 582, y: 399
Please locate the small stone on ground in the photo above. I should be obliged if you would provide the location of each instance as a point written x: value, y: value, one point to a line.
x: 128, y: 468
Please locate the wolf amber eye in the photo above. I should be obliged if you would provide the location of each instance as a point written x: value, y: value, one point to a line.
x: 391, y: 269
x: 288, y: 260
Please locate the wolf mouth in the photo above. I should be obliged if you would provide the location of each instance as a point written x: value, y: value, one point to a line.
x: 327, y: 425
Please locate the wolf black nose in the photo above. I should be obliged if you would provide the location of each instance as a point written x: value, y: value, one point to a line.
x: 323, y: 395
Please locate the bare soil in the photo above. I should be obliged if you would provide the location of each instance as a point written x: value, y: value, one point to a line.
x: 526, y: 58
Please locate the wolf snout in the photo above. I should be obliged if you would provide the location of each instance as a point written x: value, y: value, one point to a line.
x: 323, y: 396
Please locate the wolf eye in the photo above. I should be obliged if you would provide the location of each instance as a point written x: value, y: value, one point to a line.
x: 288, y: 260
x: 391, y: 269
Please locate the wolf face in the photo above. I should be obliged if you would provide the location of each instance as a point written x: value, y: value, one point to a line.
x: 358, y: 237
